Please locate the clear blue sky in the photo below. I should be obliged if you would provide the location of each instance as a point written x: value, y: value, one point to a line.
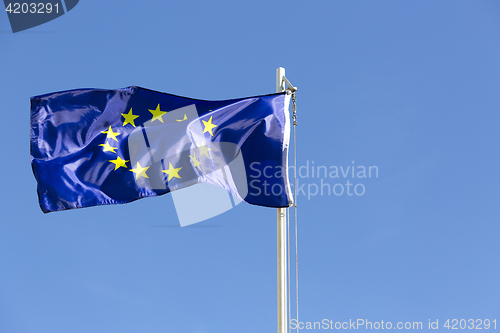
x: 411, y: 87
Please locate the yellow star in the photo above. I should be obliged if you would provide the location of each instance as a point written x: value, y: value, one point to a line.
x: 204, y: 150
x: 119, y: 163
x: 140, y: 171
x: 129, y: 118
x: 196, y: 163
x: 107, y: 147
x: 185, y: 117
x: 172, y: 172
x: 209, y: 126
x: 111, y: 134
x: 157, y: 114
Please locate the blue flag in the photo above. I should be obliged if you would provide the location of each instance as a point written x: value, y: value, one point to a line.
x: 97, y: 147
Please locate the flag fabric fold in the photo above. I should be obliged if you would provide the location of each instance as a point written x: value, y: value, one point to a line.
x: 96, y: 147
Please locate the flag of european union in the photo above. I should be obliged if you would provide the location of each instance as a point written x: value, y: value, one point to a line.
x: 96, y: 147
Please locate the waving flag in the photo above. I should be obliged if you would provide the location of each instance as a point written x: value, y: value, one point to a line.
x: 95, y: 147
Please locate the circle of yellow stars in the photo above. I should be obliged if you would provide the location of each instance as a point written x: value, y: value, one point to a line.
x: 140, y: 171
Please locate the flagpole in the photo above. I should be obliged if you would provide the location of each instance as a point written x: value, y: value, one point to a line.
x: 282, y: 240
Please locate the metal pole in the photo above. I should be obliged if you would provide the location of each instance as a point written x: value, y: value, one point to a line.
x: 282, y: 245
